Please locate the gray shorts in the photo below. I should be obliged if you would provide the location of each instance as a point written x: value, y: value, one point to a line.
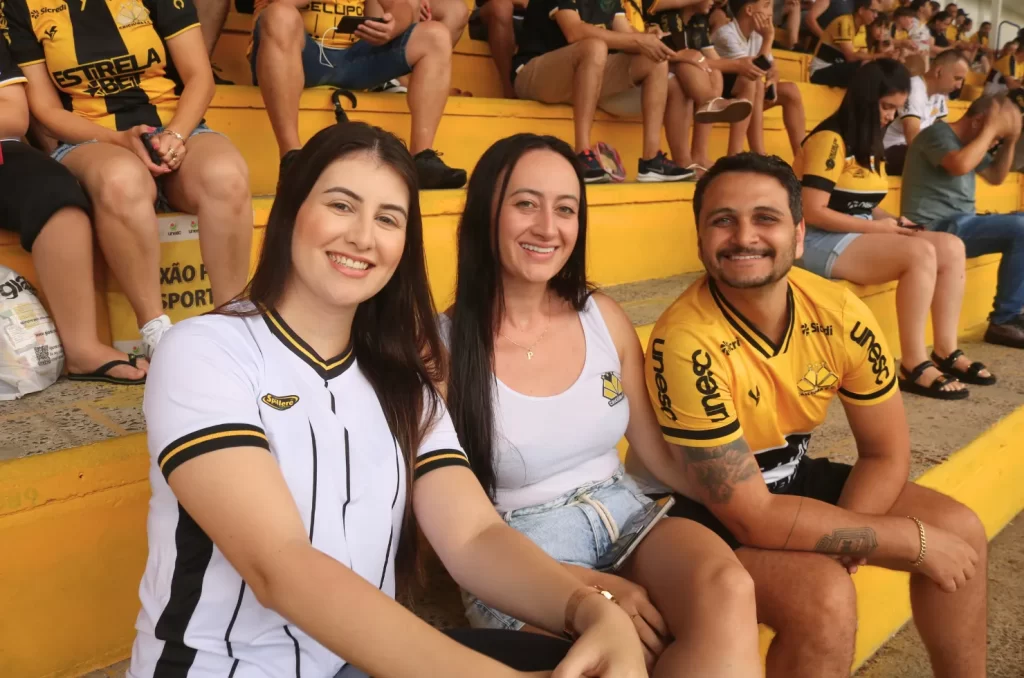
x: 571, y: 529
x: 822, y: 248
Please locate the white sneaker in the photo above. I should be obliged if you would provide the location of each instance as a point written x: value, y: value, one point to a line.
x: 390, y: 87
x: 152, y: 332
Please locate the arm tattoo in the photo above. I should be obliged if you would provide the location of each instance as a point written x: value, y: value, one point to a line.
x: 859, y: 541
x: 718, y: 469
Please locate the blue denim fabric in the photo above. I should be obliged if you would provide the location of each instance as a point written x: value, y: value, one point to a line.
x: 359, y: 66
x: 822, y: 248
x: 570, y: 530
x: 990, y: 234
x: 64, y: 149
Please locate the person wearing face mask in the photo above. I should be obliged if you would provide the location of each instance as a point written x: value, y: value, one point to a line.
x: 741, y: 370
x: 927, y: 102
x: 297, y: 436
x: 849, y: 237
x: 546, y: 378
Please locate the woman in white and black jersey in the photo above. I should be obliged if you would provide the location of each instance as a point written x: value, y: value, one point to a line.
x: 280, y: 511
x: 546, y: 378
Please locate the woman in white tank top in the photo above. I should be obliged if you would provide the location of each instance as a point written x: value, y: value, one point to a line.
x: 546, y: 378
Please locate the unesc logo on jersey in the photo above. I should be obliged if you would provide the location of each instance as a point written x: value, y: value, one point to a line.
x: 280, y: 402
x: 818, y: 378
x: 612, y: 388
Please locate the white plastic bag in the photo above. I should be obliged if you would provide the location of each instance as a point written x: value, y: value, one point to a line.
x: 31, y: 355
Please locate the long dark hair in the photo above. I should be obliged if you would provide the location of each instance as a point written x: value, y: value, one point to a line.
x: 480, y: 298
x: 394, y: 333
x: 857, y: 120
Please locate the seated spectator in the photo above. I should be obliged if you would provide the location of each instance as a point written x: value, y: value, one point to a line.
x: 983, y: 58
x: 787, y: 16
x: 538, y: 357
x: 911, y: 39
x: 259, y: 445
x: 749, y: 37
x: 938, y: 27
x: 927, y: 102
x: 879, y: 37
x: 497, y: 16
x: 587, y: 53
x: 754, y: 332
x: 842, y: 45
x: 919, y: 32
x: 294, y: 47
x: 850, y: 237
x: 685, y: 27
x: 939, y: 191
x: 43, y: 203
x: 184, y: 166
x: 1008, y: 72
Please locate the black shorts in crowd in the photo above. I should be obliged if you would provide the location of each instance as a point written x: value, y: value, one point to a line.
x: 836, y: 75
x: 819, y: 479
x: 34, y: 188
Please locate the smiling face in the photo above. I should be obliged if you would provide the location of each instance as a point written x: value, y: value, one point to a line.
x: 890, y: 105
x: 746, y: 233
x: 350, y: 231
x: 538, y: 221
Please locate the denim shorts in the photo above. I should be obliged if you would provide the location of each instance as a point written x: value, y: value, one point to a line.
x: 577, y: 528
x: 822, y: 248
x: 359, y: 66
x: 64, y: 149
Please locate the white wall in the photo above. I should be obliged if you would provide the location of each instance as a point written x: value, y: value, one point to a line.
x: 981, y: 10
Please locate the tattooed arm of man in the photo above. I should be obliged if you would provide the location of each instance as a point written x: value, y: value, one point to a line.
x: 727, y: 480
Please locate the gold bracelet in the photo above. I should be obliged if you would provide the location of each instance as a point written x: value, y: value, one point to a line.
x: 574, y: 603
x: 173, y: 134
x: 924, y: 542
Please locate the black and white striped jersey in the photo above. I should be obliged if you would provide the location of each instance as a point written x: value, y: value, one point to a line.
x: 218, y: 382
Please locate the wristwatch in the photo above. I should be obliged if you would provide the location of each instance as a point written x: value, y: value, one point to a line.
x: 574, y: 603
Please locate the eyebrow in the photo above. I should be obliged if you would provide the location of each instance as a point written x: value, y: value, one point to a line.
x: 358, y: 198
x: 533, y: 191
x: 757, y: 208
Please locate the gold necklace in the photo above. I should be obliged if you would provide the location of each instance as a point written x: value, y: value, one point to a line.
x: 529, y: 349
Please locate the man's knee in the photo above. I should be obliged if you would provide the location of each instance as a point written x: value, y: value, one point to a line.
x: 434, y: 38
x: 825, y: 614
x: 281, y: 23
x: 590, y: 52
x: 957, y: 518
x: 456, y: 13
x: 789, y: 94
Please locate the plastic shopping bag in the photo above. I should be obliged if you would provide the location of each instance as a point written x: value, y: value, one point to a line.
x: 31, y: 355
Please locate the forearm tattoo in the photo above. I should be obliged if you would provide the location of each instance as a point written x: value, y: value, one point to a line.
x: 718, y: 469
x: 859, y: 541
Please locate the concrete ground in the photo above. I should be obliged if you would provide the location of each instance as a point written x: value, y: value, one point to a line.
x: 904, y: 656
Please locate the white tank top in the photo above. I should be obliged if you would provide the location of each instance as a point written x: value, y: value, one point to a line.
x: 547, y: 446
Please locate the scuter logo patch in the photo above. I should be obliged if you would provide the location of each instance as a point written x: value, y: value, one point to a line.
x: 612, y: 388
x: 280, y: 402
x: 818, y: 378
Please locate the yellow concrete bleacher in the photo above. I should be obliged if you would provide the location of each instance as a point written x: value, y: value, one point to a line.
x: 72, y: 520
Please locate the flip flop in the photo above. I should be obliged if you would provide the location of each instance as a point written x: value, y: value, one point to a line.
x: 734, y: 111
x: 968, y: 376
x: 934, y: 390
x: 100, y: 373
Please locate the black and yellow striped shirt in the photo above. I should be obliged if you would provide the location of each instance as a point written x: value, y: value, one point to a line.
x: 108, y: 58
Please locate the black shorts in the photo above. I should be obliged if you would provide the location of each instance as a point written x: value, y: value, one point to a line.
x: 819, y: 479
x: 34, y: 188
x: 895, y: 158
x: 836, y: 75
x: 728, y: 84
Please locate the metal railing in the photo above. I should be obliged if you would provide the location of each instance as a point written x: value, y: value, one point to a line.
x: 999, y: 33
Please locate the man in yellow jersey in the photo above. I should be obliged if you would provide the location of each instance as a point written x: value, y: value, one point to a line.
x: 842, y: 45
x: 741, y: 370
x: 354, y: 44
x: 1007, y: 72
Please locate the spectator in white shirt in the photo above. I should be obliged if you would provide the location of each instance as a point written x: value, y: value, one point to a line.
x: 928, y: 102
x: 749, y: 36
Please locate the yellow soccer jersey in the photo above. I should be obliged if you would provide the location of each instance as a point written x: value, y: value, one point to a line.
x: 321, y: 18
x: 108, y: 58
x: 854, y: 189
x: 713, y: 377
x: 980, y: 39
x: 952, y: 33
x: 1007, y: 67
x: 841, y: 29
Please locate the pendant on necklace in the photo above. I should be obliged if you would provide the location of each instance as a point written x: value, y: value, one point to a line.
x: 529, y: 355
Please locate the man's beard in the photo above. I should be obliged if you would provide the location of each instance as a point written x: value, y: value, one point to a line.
x: 780, y: 266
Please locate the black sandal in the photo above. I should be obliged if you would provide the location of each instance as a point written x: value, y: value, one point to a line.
x: 100, y: 373
x: 935, y: 390
x: 970, y: 375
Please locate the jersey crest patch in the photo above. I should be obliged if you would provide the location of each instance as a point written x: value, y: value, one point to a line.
x: 280, y: 402
x: 612, y: 388
x: 132, y: 13
x: 818, y: 378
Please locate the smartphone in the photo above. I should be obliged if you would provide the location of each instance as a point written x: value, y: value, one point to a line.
x: 147, y: 141
x: 764, y: 64
x: 641, y: 527
x: 349, y: 24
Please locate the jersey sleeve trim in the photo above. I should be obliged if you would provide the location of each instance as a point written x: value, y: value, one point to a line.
x: 431, y: 461
x: 22, y: 64
x: 183, y: 30
x: 17, y: 80
x: 820, y: 183
x: 210, y: 439
x: 709, y: 434
x: 863, y: 397
x: 910, y: 115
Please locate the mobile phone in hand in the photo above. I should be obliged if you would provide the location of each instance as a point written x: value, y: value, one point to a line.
x: 349, y: 24
x: 154, y: 155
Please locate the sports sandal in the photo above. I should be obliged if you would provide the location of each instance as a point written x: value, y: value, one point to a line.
x: 723, y: 110
x: 100, y: 373
x: 910, y: 385
x: 969, y: 376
